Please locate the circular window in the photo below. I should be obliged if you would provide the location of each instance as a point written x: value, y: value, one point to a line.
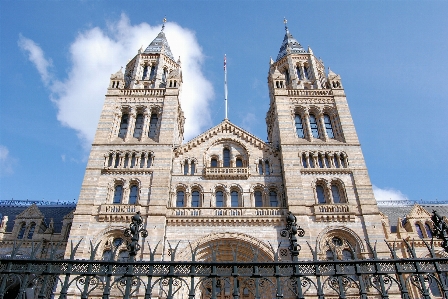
x: 117, y: 242
x: 336, y: 241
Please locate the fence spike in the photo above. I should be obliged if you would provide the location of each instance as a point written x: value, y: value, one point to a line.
x: 73, y: 250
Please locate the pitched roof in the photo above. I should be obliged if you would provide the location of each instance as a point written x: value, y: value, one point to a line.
x: 289, y: 45
x: 155, y: 47
x: 228, y: 127
x: 57, y: 212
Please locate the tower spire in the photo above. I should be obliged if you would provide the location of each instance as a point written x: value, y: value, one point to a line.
x: 225, y: 86
x: 164, y: 21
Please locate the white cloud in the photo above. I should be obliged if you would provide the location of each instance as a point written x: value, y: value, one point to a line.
x: 248, y: 121
x: 36, y: 56
x: 96, y: 53
x: 388, y: 194
x: 6, y: 162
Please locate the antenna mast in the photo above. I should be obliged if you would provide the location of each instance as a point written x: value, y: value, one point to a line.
x: 225, y: 86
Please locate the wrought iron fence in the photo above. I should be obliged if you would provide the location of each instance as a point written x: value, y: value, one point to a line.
x: 255, y: 277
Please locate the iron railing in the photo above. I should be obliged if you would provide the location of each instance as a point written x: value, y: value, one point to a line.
x: 224, y: 275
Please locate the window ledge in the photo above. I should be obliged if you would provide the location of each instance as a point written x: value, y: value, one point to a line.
x: 341, y: 212
x: 226, y: 172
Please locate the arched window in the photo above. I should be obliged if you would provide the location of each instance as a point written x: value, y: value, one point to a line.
x: 153, y: 72
x: 319, y: 161
x: 273, y: 201
x: 336, y: 161
x: 234, y: 199
x: 347, y: 255
x: 126, y: 160
x: 260, y: 167
x: 312, y: 161
x: 266, y: 168
x: 180, y: 199
x: 138, y: 126
x: 195, y: 199
x: 31, y: 230
x: 287, y: 76
x: 428, y: 230
x: 153, y: 125
x: 107, y: 255
x: 336, y: 195
x: 123, y: 125
x: 164, y: 75
x: 306, y: 71
x: 133, y: 195
x: 320, y: 194
x: 133, y: 160
x: 214, y: 162
x: 328, y: 127
x: 145, y: 72
x: 258, y: 199
x: 186, y: 167
x: 193, y: 168
x: 329, y: 255
x: 118, y: 194
x: 142, y: 160
x: 298, y: 72
x: 313, y: 125
x: 299, y: 126
x: 109, y: 162
x: 226, y: 157
x: 304, y: 161
x: 418, y: 228
x: 343, y: 161
x: 21, y: 231
x: 150, y: 159
x: 239, y: 162
x: 219, y: 199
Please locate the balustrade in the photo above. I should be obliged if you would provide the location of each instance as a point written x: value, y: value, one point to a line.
x: 226, y: 172
x: 226, y: 212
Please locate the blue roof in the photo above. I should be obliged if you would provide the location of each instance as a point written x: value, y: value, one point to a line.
x: 155, y: 47
x: 290, y: 42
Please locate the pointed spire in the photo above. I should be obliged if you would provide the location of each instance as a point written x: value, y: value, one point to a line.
x: 289, y: 45
x: 271, y: 61
x: 178, y: 61
x: 164, y: 21
x: 310, y: 51
x: 160, y: 44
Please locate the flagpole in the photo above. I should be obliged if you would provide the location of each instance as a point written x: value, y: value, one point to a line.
x: 225, y: 86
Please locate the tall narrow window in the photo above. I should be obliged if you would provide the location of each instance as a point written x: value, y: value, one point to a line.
x: 328, y: 127
x: 287, y: 76
x: 418, y: 228
x: 226, y: 157
x: 299, y: 126
x: 311, y: 161
x: 117, y: 160
x: 133, y: 195
x: 153, y: 72
x: 126, y: 160
x: 298, y: 72
x: 234, y: 199
x: 118, y: 194
x: 260, y: 167
x: 142, y: 160
x: 193, y: 168
x: 336, y: 161
x: 319, y: 161
x: 258, y: 199
x: 273, y: 201
x: 138, y: 126
x: 219, y: 199
x: 239, y: 162
x: 313, y: 125
x: 153, y: 125
x: 320, y: 194
x: 109, y: 162
x: 186, y: 167
x: 214, y: 162
x: 428, y: 230
x: 21, y: 231
x: 180, y: 199
x: 304, y: 161
x: 306, y: 71
x: 164, y: 75
x: 31, y: 230
x: 133, y: 160
x: 343, y: 161
x: 123, y: 125
x: 145, y: 72
x: 327, y: 162
x: 266, y: 168
x: 336, y: 195
x: 150, y: 160
x: 195, y: 199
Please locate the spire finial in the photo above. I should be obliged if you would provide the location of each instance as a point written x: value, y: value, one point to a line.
x: 285, y: 21
x: 164, y: 21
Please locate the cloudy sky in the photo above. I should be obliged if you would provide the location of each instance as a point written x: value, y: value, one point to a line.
x: 57, y: 57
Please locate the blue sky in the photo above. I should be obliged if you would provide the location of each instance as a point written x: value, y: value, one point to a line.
x: 391, y: 57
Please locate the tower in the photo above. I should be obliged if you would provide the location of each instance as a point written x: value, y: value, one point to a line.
x: 129, y: 165
x: 325, y: 177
